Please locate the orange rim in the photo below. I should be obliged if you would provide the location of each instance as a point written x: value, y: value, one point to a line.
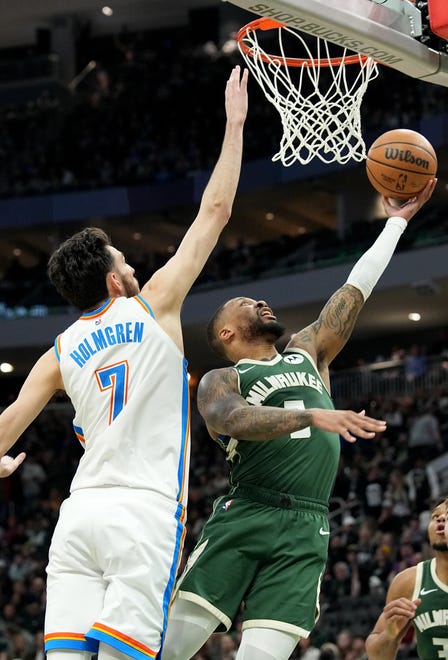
x: 264, y: 24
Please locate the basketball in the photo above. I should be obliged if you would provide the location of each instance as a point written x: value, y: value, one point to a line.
x: 400, y: 162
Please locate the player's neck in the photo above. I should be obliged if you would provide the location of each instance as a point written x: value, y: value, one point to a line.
x: 442, y: 566
x: 263, y: 352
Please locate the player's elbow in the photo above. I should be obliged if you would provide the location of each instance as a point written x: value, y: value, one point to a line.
x: 224, y: 425
x: 221, y: 212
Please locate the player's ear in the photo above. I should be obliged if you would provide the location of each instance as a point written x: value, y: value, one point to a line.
x: 226, y: 334
x: 114, y: 285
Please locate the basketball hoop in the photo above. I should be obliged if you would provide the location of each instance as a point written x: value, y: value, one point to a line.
x: 320, y: 112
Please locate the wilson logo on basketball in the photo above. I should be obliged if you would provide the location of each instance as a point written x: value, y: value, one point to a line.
x: 405, y: 156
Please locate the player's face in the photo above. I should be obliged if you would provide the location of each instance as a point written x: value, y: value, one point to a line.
x: 437, y: 528
x: 253, y: 319
x: 126, y: 274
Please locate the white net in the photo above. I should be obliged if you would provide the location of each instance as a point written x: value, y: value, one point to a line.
x: 318, y: 96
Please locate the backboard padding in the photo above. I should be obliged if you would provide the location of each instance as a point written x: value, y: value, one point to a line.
x: 362, y: 26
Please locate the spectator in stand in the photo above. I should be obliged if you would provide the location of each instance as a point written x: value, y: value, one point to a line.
x: 337, y: 549
x: 424, y: 434
x: 329, y: 651
x: 393, y: 415
x: 349, y: 534
x: 381, y: 566
x: 308, y: 650
x: 344, y: 642
x: 396, y: 504
x: 415, y: 364
x: 339, y: 583
x: 357, y: 650
x: 373, y: 493
x: 365, y: 554
x: 32, y: 476
x: 423, y: 484
x: 405, y: 558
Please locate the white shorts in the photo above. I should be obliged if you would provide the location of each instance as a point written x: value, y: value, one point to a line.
x: 112, y: 565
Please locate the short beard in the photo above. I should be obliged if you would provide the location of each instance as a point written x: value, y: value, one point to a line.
x: 272, y: 329
x: 131, y: 288
x: 440, y: 546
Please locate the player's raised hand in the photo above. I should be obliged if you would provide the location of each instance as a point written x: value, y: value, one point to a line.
x: 236, y: 95
x: 349, y: 424
x: 409, y: 208
x: 8, y: 464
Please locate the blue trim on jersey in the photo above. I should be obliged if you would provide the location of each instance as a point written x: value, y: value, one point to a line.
x: 174, y: 568
x: 89, y: 645
x: 56, y: 350
x: 184, y: 428
x: 145, y: 303
x: 96, y: 311
x: 118, y: 644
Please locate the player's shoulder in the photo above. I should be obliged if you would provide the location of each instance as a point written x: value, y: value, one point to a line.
x: 402, y: 585
x: 219, y: 374
x: 221, y: 378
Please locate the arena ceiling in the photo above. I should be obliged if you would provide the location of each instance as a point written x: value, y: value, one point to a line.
x: 21, y: 19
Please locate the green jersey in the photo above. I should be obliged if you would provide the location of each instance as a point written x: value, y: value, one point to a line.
x: 431, y: 617
x: 302, y: 464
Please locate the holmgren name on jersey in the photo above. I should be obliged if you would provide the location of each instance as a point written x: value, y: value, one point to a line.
x: 268, y: 384
x: 98, y: 340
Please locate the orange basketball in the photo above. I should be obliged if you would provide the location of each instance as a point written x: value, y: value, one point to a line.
x: 400, y: 162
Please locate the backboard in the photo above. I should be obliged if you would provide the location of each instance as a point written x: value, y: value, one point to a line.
x: 392, y: 32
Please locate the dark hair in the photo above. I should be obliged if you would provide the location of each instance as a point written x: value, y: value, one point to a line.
x: 440, y: 501
x: 79, y: 266
x: 212, y: 337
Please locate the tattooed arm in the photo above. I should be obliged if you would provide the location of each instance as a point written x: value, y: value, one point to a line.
x: 324, y: 338
x: 226, y: 412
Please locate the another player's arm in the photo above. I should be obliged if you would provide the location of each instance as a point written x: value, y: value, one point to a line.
x: 226, y: 412
x: 168, y: 287
x: 43, y: 381
x: 385, y: 639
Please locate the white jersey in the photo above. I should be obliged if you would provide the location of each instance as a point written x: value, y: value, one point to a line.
x: 128, y: 383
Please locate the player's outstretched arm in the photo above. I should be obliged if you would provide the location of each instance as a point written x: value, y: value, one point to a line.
x: 168, y: 287
x: 43, y: 381
x: 226, y: 412
x: 385, y: 639
x: 326, y: 337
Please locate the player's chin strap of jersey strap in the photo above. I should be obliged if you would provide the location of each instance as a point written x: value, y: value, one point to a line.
x: 369, y: 268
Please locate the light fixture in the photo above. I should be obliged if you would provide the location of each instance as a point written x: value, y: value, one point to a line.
x: 107, y: 11
x: 6, y: 367
x: 414, y: 316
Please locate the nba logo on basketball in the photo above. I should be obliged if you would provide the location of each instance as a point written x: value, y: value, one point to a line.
x: 401, y: 181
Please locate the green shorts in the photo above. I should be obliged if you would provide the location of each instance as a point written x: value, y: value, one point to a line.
x: 263, y: 549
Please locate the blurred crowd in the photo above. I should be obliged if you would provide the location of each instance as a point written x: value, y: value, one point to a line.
x: 383, y: 493
x: 25, y: 288
x: 122, y: 124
